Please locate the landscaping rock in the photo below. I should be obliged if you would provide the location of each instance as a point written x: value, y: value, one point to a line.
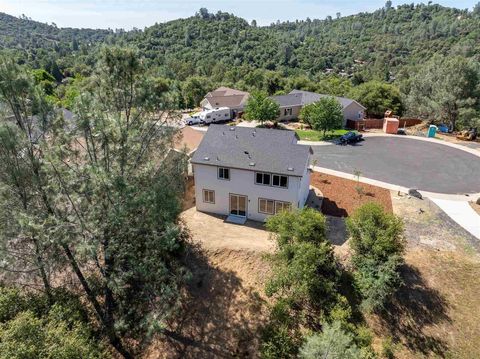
x: 414, y: 193
x: 478, y: 201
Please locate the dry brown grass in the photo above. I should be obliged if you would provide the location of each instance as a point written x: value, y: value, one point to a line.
x: 437, y: 312
x: 225, y: 309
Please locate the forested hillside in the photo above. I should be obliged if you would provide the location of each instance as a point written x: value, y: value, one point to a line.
x: 196, y: 54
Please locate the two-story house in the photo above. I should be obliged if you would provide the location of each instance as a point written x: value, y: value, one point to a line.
x: 250, y: 172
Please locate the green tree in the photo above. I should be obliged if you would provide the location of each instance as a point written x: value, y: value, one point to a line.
x: 332, y: 343
x: 445, y: 89
x: 378, y: 97
x: 377, y: 241
x: 323, y: 115
x: 303, y: 283
x: 30, y: 328
x: 261, y: 108
x: 44, y: 79
x: 194, y: 90
x: 108, y: 194
x: 24, y: 245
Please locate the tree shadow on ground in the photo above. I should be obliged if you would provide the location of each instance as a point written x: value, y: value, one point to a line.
x: 331, y: 208
x: 414, y: 308
x: 336, y: 230
x: 221, y: 318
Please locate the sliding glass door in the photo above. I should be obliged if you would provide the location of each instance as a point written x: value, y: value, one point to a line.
x: 238, y: 205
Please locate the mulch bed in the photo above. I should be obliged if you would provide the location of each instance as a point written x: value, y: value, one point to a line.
x: 342, y: 196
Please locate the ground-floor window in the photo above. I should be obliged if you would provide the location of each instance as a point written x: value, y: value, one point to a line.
x: 282, y: 206
x: 266, y: 206
x: 270, y: 206
x: 208, y: 196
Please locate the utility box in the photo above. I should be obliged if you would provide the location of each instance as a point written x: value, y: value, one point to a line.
x: 390, y: 125
x: 432, y: 131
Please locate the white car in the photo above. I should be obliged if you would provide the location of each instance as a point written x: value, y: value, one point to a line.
x: 194, y: 120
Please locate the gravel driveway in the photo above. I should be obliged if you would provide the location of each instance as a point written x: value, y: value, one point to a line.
x: 405, y: 162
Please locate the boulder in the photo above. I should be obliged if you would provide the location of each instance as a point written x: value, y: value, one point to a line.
x: 414, y: 193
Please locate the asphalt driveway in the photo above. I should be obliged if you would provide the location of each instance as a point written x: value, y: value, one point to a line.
x: 405, y: 162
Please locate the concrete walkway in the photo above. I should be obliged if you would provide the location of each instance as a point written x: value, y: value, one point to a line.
x: 462, y: 213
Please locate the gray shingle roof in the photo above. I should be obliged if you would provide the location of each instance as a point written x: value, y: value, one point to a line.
x: 302, y: 98
x: 255, y: 149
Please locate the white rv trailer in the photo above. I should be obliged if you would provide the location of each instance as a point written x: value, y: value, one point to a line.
x: 216, y: 115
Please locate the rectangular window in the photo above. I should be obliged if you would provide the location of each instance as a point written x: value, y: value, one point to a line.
x: 263, y: 178
x: 280, y: 181
x: 224, y: 173
x: 208, y: 196
x: 282, y: 206
x: 266, y: 206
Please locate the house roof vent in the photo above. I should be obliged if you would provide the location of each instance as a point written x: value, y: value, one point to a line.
x: 206, y: 158
x: 232, y: 128
x: 218, y: 158
x: 252, y: 164
x: 290, y: 169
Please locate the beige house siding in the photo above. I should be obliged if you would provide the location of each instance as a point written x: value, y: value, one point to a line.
x: 286, y: 116
x: 353, y: 112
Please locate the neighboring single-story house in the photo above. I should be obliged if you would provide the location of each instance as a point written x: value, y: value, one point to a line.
x: 251, y: 173
x: 225, y: 97
x: 291, y: 104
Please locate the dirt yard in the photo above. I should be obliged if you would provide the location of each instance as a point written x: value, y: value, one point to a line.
x: 437, y: 311
x: 224, y: 312
x: 212, y: 233
x: 343, y: 196
x: 476, y: 207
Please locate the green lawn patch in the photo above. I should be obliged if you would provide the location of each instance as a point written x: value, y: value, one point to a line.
x: 312, y: 135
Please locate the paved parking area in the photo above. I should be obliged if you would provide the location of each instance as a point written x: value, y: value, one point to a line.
x: 405, y: 162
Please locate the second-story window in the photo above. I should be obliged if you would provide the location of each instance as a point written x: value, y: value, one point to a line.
x: 262, y: 178
x: 224, y: 173
x: 280, y: 181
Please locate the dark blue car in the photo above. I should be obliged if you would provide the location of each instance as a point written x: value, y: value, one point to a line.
x: 350, y: 137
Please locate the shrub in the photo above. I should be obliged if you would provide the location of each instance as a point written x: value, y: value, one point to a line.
x: 332, y: 343
x: 377, y: 240
x: 307, y: 225
x: 33, y: 328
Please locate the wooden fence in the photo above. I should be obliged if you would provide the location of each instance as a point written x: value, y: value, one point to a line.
x: 370, y: 123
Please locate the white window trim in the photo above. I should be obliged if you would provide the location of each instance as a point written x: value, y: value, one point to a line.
x: 223, y: 178
x: 263, y: 174
x: 279, y: 181
x: 204, y: 192
x: 266, y: 200
x: 288, y: 204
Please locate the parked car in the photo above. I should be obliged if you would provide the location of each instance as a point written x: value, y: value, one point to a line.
x: 193, y: 120
x: 350, y: 137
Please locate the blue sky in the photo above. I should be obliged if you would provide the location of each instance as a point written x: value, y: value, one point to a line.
x: 127, y: 14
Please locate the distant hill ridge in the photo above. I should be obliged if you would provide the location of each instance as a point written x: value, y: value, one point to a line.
x: 387, y: 39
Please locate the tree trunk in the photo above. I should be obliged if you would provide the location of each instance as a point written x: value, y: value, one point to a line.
x: 43, y: 273
x: 107, y: 324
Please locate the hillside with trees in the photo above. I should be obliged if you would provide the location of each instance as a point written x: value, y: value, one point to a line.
x: 333, y: 56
